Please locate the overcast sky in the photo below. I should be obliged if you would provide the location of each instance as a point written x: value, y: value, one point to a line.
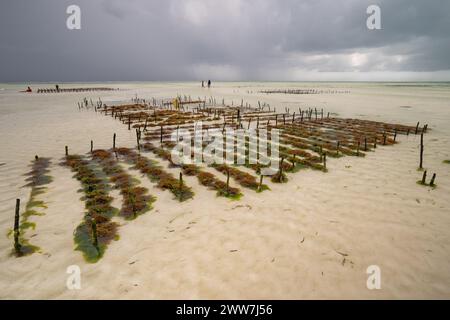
x: 224, y: 40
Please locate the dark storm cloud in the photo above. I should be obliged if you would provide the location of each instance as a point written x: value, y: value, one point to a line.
x: 233, y: 39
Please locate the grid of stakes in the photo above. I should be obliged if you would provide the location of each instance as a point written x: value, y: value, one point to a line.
x: 307, y: 137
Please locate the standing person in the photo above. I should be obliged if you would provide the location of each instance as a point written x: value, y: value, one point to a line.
x: 203, y: 84
x: 209, y: 83
x: 57, y: 88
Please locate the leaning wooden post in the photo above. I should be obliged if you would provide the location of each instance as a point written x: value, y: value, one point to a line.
x: 260, y: 182
x: 161, y: 136
x: 137, y: 140
x: 417, y: 127
x: 92, y: 146
x: 181, y: 186
x: 228, y: 180
x: 421, y: 151
x: 432, y: 180
x: 281, y: 169
x: 424, y: 177
x: 129, y: 122
x: 17, y: 245
x: 114, y: 141
x: 395, y: 134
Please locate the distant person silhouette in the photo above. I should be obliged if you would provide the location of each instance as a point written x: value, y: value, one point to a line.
x: 209, y: 83
x: 203, y: 84
x: 28, y: 90
x: 57, y: 88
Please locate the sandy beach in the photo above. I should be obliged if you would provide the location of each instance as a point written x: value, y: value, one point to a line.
x: 310, y: 238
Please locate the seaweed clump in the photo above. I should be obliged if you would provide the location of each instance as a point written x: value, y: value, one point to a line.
x: 136, y: 200
x: 204, y: 178
x: 96, y: 231
x: 243, y: 178
x: 165, y: 180
x: 37, y: 179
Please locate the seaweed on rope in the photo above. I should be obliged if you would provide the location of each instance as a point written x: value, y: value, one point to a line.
x: 37, y: 180
x: 136, y: 199
x: 204, y: 178
x: 96, y: 231
x: 165, y: 180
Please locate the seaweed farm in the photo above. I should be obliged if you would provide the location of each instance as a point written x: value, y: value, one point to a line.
x: 307, y: 138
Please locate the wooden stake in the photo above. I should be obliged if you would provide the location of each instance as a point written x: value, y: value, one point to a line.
x: 92, y: 146
x: 181, y: 186
x: 260, y: 182
x: 424, y: 177
x: 281, y: 169
x: 432, y: 179
x: 228, y: 180
x: 67, y: 151
x: 137, y: 140
x: 417, y: 127
x: 421, y: 151
x: 17, y: 245
x: 114, y: 141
